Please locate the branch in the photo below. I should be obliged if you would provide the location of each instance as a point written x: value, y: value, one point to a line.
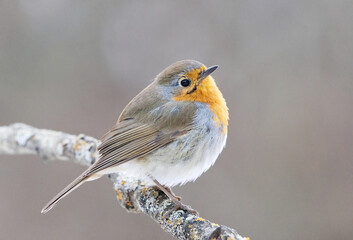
x: 133, y: 195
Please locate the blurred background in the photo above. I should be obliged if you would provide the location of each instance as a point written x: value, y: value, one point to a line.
x: 286, y: 71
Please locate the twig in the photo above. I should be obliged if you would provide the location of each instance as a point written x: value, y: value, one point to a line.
x: 133, y: 195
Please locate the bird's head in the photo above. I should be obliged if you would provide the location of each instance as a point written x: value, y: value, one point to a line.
x: 190, y: 80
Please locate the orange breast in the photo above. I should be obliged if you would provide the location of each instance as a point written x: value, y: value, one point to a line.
x: 208, y: 92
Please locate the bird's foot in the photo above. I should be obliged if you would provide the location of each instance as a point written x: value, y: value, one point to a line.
x: 172, y: 193
x: 180, y: 206
x: 168, y: 191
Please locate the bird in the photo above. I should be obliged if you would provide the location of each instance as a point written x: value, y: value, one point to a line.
x: 168, y: 135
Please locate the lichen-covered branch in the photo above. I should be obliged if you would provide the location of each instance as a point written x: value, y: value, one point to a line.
x: 133, y: 195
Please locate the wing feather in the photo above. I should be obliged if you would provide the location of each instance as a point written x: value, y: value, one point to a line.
x: 128, y: 141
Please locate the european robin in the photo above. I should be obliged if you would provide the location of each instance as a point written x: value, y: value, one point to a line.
x: 169, y: 134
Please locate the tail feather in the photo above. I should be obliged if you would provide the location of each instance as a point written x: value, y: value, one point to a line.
x: 72, y: 186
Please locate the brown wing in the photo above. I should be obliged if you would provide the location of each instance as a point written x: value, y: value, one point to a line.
x: 125, y: 141
x: 129, y: 140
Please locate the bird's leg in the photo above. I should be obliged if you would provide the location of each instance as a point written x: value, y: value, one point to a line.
x: 166, y: 189
x: 171, y: 192
x: 175, y: 199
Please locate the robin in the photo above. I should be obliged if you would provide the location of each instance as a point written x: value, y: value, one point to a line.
x: 168, y: 135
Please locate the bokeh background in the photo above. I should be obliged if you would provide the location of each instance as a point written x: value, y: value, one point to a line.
x: 286, y: 70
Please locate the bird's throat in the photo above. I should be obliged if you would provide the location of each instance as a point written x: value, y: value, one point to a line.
x: 208, y: 92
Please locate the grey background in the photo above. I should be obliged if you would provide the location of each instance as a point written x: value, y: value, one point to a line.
x: 286, y: 71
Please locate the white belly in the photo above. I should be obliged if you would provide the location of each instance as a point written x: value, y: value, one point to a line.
x: 183, y: 160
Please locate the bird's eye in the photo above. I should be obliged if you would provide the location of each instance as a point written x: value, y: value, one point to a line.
x: 185, y: 82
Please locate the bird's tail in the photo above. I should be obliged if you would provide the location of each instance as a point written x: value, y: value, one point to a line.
x: 72, y: 186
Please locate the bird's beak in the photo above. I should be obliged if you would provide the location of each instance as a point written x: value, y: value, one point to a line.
x: 206, y: 72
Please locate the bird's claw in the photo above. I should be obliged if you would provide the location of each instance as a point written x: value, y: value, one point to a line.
x: 180, y: 206
x: 178, y: 198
